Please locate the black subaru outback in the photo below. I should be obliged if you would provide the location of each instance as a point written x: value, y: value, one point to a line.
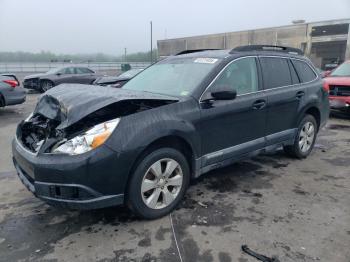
x: 92, y: 147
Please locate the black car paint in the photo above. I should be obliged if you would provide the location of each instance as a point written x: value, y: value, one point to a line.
x: 34, y: 81
x: 204, y: 126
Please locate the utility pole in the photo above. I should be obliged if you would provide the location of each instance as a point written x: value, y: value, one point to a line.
x: 151, y: 45
x: 125, y: 54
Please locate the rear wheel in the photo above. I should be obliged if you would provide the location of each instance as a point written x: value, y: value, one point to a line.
x: 159, y: 183
x: 46, y: 85
x: 305, y: 138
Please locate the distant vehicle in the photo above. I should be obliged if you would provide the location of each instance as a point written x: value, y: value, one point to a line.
x: 10, y: 91
x: 338, y: 84
x: 56, y: 76
x: 117, y: 81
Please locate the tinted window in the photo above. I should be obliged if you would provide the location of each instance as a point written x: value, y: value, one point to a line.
x: 83, y: 70
x: 295, y: 78
x: 306, y: 74
x: 275, y: 72
x: 67, y: 71
x: 240, y: 75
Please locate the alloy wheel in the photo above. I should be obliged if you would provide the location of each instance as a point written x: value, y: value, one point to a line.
x: 46, y: 86
x: 306, y: 136
x: 161, y: 183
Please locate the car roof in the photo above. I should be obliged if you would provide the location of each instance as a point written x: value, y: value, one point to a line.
x: 295, y: 53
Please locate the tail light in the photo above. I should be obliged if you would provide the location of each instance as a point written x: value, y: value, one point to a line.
x: 12, y: 83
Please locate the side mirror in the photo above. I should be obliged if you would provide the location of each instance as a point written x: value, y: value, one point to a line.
x: 58, y: 74
x: 224, y: 93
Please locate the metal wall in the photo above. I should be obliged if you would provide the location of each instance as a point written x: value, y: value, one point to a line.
x: 299, y: 36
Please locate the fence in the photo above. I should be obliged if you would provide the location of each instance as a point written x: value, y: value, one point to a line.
x: 27, y: 67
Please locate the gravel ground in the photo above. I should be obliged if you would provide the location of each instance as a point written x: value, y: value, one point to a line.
x: 296, y: 210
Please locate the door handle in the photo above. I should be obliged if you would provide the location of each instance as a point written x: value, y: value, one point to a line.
x: 259, y: 104
x: 300, y: 94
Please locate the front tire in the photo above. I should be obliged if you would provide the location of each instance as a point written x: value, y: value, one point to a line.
x: 158, y: 183
x: 305, y: 138
x: 46, y: 85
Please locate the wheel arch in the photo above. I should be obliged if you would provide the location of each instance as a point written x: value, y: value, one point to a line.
x: 173, y: 141
x: 315, y: 112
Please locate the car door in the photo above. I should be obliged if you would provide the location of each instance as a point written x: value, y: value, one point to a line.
x: 66, y: 75
x: 231, y: 128
x: 284, y: 97
x: 84, y: 75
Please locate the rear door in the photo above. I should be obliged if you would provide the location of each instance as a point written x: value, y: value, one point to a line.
x: 232, y: 128
x: 84, y: 75
x: 285, y: 96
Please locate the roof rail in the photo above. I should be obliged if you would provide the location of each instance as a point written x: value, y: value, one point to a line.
x: 195, y: 50
x: 275, y: 48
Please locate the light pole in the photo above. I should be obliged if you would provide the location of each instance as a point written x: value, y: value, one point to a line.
x: 151, y: 45
x: 125, y: 54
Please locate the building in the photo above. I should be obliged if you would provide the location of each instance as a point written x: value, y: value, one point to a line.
x: 326, y: 43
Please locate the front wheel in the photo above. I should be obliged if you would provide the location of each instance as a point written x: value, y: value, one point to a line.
x: 305, y: 138
x: 46, y: 85
x: 159, y: 183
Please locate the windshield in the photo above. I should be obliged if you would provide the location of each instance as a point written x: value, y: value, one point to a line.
x: 342, y: 70
x: 177, y: 77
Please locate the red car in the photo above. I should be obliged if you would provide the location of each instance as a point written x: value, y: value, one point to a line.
x: 338, y: 85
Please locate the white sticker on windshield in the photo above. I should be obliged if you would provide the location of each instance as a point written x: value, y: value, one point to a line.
x: 205, y: 60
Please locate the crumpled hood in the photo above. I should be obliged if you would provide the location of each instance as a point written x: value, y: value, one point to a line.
x: 33, y: 76
x: 111, y: 79
x: 68, y: 103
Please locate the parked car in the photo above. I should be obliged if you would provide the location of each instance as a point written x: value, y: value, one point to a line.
x: 338, y: 84
x: 12, y: 78
x: 56, y: 76
x: 10, y: 91
x: 141, y: 144
x: 117, y: 81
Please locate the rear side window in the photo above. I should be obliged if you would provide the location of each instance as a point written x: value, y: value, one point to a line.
x: 275, y: 72
x: 306, y: 74
x: 83, y: 70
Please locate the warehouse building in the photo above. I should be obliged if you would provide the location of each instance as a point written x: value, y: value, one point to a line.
x: 326, y: 43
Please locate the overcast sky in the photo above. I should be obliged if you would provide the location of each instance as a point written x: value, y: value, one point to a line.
x: 107, y: 26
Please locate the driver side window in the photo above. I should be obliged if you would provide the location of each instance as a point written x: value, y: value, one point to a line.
x: 240, y: 75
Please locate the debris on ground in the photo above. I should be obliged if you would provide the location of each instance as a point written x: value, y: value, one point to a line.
x: 202, y: 204
x: 260, y: 257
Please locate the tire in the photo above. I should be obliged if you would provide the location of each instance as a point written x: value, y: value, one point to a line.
x: 144, y: 186
x: 2, y: 101
x: 46, y: 85
x: 302, y: 149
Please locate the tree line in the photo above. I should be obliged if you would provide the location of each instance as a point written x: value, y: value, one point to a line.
x: 46, y: 56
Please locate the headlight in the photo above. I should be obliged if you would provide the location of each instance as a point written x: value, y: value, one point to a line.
x: 91, y: 139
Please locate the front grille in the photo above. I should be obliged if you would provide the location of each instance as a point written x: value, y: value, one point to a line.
x: 339, y: 90
x: 32, y: 82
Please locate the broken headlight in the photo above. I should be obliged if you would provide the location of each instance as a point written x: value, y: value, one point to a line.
x: 91, y: 139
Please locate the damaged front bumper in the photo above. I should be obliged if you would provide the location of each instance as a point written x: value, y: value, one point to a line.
x: 92, y: 180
